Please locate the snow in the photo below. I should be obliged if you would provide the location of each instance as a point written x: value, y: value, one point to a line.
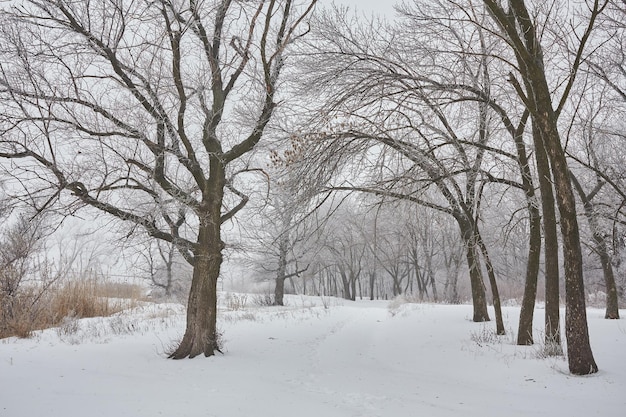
x: 312, y: 358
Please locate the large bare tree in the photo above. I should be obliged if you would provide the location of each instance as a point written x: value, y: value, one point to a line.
x: 139, y: 108
x: 520, y: 31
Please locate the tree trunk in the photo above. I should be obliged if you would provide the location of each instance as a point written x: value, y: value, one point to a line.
x: 525, y: 329
x: 346, y: 285
x: 479, y: 300
x: 497, y: 305
x: 279, y: 292
x: 450, y: 288
x: 201, y: 336
x: 580, y: 356
x: 612, y: 307
x: 519, y: 27
x: 431, y: 276
x: 552, y: 339
x: 281, y: 273
x: 353, y: 278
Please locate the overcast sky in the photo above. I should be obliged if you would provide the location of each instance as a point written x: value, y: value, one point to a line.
x: 367, y: 6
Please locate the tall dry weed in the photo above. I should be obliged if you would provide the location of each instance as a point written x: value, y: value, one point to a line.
x: 36, y: 308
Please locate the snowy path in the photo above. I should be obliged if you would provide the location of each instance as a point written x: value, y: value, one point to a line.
x: 354, y: 359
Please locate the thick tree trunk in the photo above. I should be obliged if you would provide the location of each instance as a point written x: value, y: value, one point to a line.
x: 279, y: 291
x: 479, y: 300
x: 552, y: 339
x: 519, y: 26
x: 201, y: 335
x: 580, y: 356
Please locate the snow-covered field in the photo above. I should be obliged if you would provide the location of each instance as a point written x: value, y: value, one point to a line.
x: 316, y: 357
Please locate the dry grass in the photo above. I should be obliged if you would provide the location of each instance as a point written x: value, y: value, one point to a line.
x: 92, y: 298
x: 39, y: 308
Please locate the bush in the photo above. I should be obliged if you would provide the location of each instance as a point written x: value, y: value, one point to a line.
x: 236, y: 302
x: 264, y: 300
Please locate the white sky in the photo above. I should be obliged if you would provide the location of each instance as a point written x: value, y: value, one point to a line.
x: 367, y: 6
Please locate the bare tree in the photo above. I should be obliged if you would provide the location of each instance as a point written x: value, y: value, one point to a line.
x: 168, y: 273
x: 138, y: 108
x: 519, y: 30
x: 404, y: 125
x: 601, y: 246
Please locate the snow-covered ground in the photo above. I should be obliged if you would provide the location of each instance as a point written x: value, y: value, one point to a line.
x: 313, y: 358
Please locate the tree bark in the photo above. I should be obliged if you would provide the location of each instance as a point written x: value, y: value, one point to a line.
x: 201, y: 335
x: 580, y: 356
x: 479, y: 300
x: 279, y: 291
x: 497, y: 305
x: 372, y: 281
x: 519, y: 27
x: 552, y: 338
x: 525, y: 329
x: 281, y: 273
x: 612, y: 306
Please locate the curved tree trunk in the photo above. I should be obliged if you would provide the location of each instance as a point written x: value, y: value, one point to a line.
x: 525, y: 329
x: 479, y: 299
x: 497, y: 305
x: 612, y: 305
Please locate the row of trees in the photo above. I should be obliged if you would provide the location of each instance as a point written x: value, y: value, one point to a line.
x: 481, y: 111
x: 153, y: 113
x: 361, y: 250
